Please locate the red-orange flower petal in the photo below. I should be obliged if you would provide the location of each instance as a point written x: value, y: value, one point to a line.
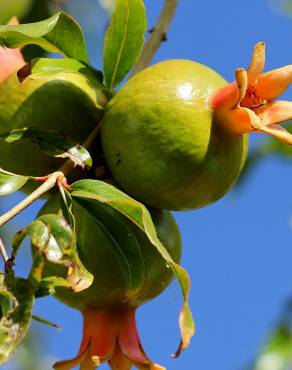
x: 70, y: 364
x: 225, y: 98
x: 110, y: 336
x: 272, y: 84
x: 119, y: 362
x: 242, y: 84
x: 257, y: 63
x: 100, y: 331
x: 130, y: 345
x: 239, y: 120
x: 247, y: 105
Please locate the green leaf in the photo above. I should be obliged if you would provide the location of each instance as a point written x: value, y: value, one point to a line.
x: 138, y: 214
x: 58, y: 34
x: 54, y: 240
x: 124, y: 245
x: 67, y: 208
x: 124, y: 40
x: 16, y: 315
x: 47, y: 286
x: 41, y: 67
x: 52, y: 143
x: 10, y: 182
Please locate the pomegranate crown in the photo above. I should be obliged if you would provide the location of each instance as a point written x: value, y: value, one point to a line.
x: 248, y: 104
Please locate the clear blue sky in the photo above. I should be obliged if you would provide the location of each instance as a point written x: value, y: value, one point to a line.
x: 238, y: 252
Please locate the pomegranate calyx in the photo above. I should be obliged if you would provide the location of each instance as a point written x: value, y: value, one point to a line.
x: 247, y: 105
x: 110, y: 335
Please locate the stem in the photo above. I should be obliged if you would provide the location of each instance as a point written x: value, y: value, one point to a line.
x: 87, y: 143
x: 158, y: 35
x: 46, y: 186
x: 3, y: 252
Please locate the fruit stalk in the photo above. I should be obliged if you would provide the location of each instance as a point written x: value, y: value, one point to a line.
x: 46, y: 186
x: 158, y: 35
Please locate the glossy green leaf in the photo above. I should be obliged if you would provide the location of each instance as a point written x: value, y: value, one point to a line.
x: 41, y: 67
x: 124, y: 245
x: 67, y: 209
x: 138, y: 214
x: 10, y: 182
x: 15, y: 316
x: 52, y: 143
x: 58, y: 34
x: 124, y: 40
x: 54, y: 240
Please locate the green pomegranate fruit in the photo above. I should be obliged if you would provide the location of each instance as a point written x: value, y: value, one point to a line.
x: 109, y: 304
x: 160, y: 140
x: 98, y: 255
x: 175, y: 137
x: 67, y: 102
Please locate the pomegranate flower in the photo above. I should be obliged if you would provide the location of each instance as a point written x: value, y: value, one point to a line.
x: 109, y: 336
x: 11, y: 60
x: 247, y: 105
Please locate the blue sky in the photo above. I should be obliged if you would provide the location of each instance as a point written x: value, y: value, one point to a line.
x: 238, y: 251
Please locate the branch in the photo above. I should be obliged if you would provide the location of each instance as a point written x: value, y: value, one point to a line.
x: 46, y: 186
x: 3, y: 252
x: 158, y: 35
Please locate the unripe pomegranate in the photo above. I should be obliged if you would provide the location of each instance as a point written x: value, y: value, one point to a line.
x: 174, y: 135
x: 67, y: 102
x: 109, y: 304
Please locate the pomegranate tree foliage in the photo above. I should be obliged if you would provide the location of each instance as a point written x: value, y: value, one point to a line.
x: 53, y: 237
x: 58, y: 34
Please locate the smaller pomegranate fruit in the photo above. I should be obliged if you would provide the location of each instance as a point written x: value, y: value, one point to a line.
x: 109, y: 304
x: 67, y: 102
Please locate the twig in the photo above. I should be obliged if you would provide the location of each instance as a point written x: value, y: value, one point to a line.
x: 158, y: 35
x: 93, y: 135
x: 3, y: 252
x: 46, y: 186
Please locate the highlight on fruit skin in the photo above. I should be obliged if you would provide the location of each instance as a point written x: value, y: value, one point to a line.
x: 110, y: 336
x: 247, y: 105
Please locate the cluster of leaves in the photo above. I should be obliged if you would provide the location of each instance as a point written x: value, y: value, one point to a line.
x: 53, y: 237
